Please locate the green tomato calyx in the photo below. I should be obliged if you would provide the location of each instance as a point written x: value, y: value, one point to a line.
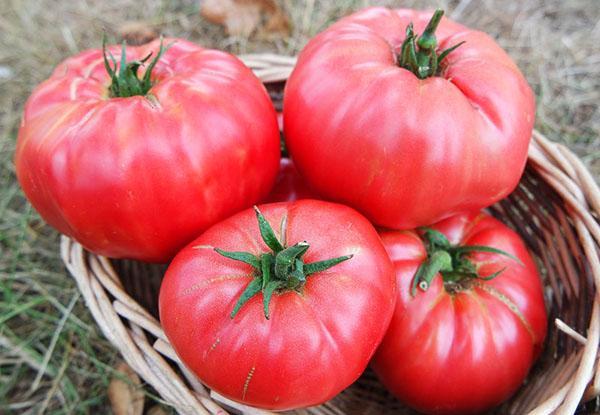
x: 124, y: 76
x: 282, y: 269
x: 418, y: 53
x: 451, y: 261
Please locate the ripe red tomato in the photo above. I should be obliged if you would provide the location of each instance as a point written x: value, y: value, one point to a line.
x: 140, y: 176
x: 463, y: 345
x: 289, y: 186
x: 322, y: 328
x: 403, y: 143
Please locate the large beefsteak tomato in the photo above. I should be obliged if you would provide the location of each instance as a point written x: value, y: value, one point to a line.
x: 402, y: 127
x: 467, y: 342
x: 317, y: 322
x: 137, y: 165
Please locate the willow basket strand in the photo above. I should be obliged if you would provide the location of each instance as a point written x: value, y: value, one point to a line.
x: 555, y: 209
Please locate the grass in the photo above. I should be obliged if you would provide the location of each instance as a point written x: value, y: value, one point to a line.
x: 53, y: 359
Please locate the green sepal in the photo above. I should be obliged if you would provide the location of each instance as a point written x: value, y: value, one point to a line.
x: 418, y: 53
x: 123, y: 65
x: 413, y: 61
x: 110, y: 69
x: 266, y: 262
x: 319, y: 266
x: 435, y: 239
x: 251, y: 290
x: 125, y: 82
x: 410, y: 31
x: 245, y: 257
x: 267, y: 233
x: 450, y: 261
x: 297, y: 277
x: 404, y: 50
x: 281, y: 269
x: 482, y: 248
x: 268, y: 293
x: 492, y: 275
x: 161, y: 51
x: 448, y: 50
x: 287, y: 257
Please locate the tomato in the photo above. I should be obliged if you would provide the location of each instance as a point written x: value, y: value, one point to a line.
x: 289, y: 186
x: 139, y: 176
x: 467, y: 342
x: 310, y: 333
x: 407, y: 144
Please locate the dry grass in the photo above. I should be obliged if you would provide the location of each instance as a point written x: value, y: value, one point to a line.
x: 52, y: 357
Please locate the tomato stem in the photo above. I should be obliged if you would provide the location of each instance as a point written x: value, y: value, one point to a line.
x: 450, y: 261
x: 125, y: 81
x: 418, y: 53
x: 283, y: 269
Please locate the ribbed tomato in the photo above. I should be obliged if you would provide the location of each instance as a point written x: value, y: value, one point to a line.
x: 466, y: 343
x: 291, y: 312
x: 403, y: 127
x: 136, y: 165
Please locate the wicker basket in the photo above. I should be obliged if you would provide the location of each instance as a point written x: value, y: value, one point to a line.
x: 555, y: 209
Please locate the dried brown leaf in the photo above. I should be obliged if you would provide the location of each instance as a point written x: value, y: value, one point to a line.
x: 126, y: 396
x: 278, y: 22
x: 137, y: 32
x: 243, y: 17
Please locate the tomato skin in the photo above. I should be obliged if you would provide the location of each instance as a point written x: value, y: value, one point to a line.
x: 289, y: 185
x: 406, y: 152
x: 140, y: 177
x: 315, y: 343
x: 468, y: 351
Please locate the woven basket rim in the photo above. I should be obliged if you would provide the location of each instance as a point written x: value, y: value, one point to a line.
x: 124, y: 322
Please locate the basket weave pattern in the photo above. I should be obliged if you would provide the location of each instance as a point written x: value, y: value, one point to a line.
x: 555, y: 209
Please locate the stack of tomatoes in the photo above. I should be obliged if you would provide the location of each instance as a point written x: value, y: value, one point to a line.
x: 401, y: 126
